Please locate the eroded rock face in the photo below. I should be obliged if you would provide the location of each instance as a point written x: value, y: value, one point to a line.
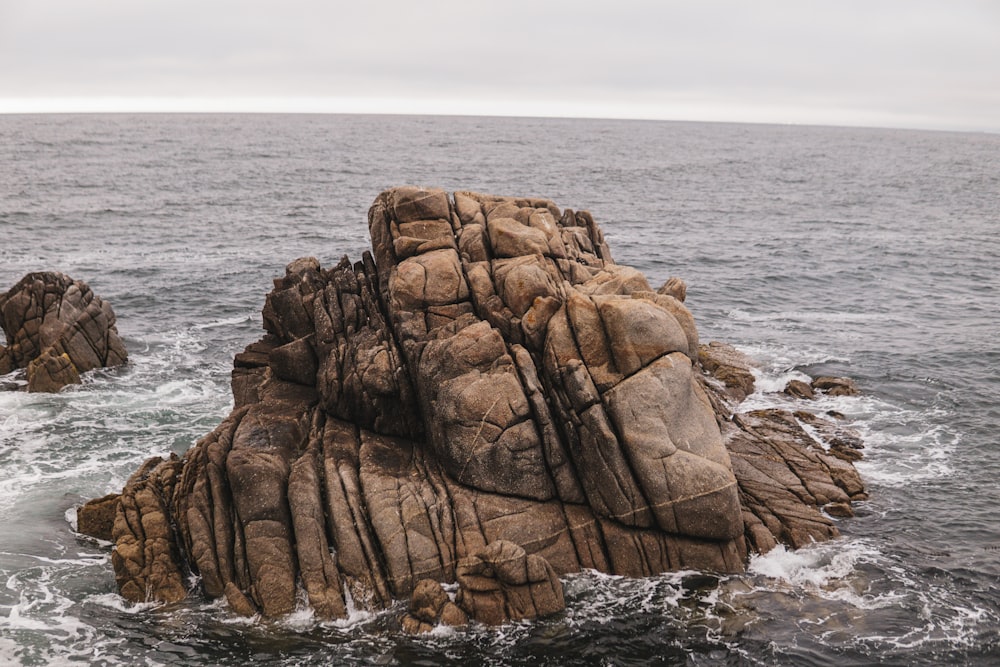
x: 489, y: 399
x: 57, y: 328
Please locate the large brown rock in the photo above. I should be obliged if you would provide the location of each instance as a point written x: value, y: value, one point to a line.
x: 487, y: 399
x: 57, y: 328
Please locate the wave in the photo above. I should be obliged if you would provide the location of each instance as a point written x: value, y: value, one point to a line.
x: 805, y: 316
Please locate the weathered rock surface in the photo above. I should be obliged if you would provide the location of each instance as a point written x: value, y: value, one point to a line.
x: 835, y: 386
x: 800, y: 389
x: 794, y: 468
x: 430, y: 606
x: 489, y: 400
x: 503, y: 583
x: 57, y: 328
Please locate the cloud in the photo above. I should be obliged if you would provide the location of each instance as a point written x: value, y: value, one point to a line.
x: 933, y: 63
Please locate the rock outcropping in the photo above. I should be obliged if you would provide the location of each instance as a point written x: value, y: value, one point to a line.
x: 57, y: 329
x: 488, y: 400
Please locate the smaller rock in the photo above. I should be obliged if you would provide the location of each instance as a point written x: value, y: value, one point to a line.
x: 57, y: 328
x: 674, y: 287
x: 430, y: 606
x: 452, y: 614
x: 412, y: 625
x: 6, y: 363
x: 503, y: 583
x: 96, y: 518
x: 51, y: 371
x: 799, y: 389
x: 839, y: 510
x: 240, y: 604
x: 428, y: 600
x: 730, y: 366
x: 832, y: 386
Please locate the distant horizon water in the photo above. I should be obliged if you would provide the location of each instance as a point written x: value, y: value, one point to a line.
x: 667, y: 110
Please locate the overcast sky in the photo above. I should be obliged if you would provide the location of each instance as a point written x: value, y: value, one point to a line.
x: 898, y: 63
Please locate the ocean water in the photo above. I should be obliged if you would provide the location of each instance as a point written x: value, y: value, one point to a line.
x: 861, y: 252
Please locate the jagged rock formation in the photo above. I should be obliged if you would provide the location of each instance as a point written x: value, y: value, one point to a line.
x: 57, y: 328
x: 488, y: 400
x: 430, y: 606
x: 794, y: 468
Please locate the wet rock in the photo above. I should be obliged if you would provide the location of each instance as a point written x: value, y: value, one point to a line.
x: 786, y: 476
x: 430, y: 606
x: 730, y: 367
x: 799, y: 389
x: 486, y: 399
x: 51, y: 371
x: 57, y: 328
x: 840, y: 510
x: 674, y: 287
x: 97, y: 517
x: 146, y: 558
x: 6, y: 362
x: 503, y: 583
x: 841, y: 441
x: 835, y: 386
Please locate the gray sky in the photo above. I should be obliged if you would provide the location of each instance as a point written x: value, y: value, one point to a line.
x: 899, y: 63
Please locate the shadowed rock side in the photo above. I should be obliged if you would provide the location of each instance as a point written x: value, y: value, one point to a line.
x: 56, y: 328
x: 488, y: 400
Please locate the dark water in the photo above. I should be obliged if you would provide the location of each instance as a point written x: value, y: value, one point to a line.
x: 871, y: 253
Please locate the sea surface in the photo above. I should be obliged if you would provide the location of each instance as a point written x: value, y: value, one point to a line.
x: 862, y: 252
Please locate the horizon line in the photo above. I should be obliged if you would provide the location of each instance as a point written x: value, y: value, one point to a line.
x: 684, y: 112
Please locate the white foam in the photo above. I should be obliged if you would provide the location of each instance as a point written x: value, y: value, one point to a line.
x: 903, y: 446
x: 9, y: 650
x: 10, y: 425
x: 118, y: 603
x: 829, y: 571
x: 224, y: 322
x: 741, y: 315
x: 596, y: 597
x: 769, y: 383
x: 806, y: 566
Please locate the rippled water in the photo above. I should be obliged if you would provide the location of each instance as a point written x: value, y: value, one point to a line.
x: 870, y: 253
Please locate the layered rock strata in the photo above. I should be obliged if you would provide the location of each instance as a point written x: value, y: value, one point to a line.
x: 56, y: 329
x: 488, y: 399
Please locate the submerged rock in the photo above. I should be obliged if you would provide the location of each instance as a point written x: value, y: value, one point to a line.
x: 489, y: 400
x: 57, y: 328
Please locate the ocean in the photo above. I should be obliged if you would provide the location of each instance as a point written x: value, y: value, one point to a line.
x: 870, y: 253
